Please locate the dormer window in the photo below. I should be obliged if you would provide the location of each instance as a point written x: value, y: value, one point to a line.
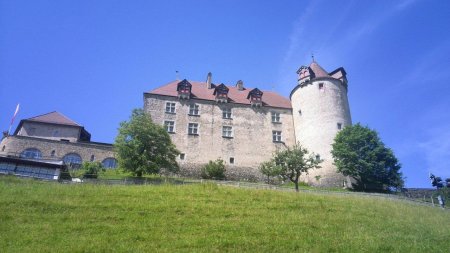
x: 221, y: 93
x: 255, y: 97
x: 184, y: 89
x: 304, y: 74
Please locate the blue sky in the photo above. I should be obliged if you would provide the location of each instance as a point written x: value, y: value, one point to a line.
x: 92, y: 60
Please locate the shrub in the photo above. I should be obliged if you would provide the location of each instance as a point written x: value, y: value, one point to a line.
x: 91, y: 169
x: 214, y: 170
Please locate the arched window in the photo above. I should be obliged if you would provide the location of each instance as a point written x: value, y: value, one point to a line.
x: 31, y: 153
x: 72, y: 158
x: 110, y: 163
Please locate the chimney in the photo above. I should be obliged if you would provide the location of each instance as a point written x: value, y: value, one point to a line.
x: 208, y: 80
x: 240, y: 85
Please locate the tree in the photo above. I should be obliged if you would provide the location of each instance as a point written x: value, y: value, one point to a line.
x: 359, y: 153
x: 270, y: 169
x: 144, y: 147
x: 214, y: 170
x: 292, y: 162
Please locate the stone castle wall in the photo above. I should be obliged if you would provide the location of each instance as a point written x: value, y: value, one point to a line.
x: 250, y: 144
x: 14, y: 145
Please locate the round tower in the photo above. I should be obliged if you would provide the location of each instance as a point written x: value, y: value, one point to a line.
x: 320, y: 109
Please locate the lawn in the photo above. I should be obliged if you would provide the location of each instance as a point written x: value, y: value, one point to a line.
x: 38, y: 216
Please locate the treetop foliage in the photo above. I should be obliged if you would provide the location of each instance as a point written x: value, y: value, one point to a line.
x: 358, y: 152
x: 144, y: 147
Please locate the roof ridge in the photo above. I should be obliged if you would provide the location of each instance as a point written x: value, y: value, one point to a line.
x: 38, y: 118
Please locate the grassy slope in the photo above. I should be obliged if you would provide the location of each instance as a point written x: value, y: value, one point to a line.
x: 42, y: 216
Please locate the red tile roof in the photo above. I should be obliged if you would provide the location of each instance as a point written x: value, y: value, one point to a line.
x: 55, y: 118
x: 201, y: 91
x: 318, y: 70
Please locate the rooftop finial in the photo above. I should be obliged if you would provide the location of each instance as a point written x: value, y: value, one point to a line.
x: 177, y: 75
x: 312, y: 56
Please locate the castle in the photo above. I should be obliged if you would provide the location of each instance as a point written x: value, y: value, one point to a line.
x: 245, y: 126
x: 206, y: 121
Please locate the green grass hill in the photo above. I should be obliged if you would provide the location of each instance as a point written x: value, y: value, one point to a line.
x: 38, y: 216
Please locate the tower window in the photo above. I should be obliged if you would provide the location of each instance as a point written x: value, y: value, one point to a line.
x: 275, y: 117
x: 276, y: 136
x: 92, y: 158
x: 227, y: 131
x: 170, y: 107
x: 231, y: 160
x: 3, y: 148
x: 226, y: 113
x: 182, y: 156
x: 194, y: 109
x: 317, y: 157
x: 193, y: 128
x: 300, y: 112
x: 320, y: 86
x: 169, y: 126
x: 339, y: 126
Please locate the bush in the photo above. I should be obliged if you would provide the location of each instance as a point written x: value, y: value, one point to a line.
x: 214, y: 170
x: 91, y: 169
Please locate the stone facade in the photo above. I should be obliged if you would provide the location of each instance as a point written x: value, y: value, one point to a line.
x: 249, y: 144
x: 56, y: 150
x: 49, y: 131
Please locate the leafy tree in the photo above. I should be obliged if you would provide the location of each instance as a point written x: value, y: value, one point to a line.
x: 91, y: 169
x: 214, y: 170
x: 359, y: 153
x: 292, y: 162
x: 270, y: 169
x: 144, y: 147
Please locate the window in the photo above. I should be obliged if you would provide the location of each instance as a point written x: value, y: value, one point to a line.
x: 227, y: 131
x: 110, y: 163
x: 3, y: 149
x: 321, y: 86
x: 31, y: 153
x: 182, y: 156
x: 92, y: 158
x: 193, y: 128
x: 55, y: 133
x: 170, y: 107
x: 72, y: 158
x: 275, y: 117
x: 53, y: 153
x: 300, y: 112
x: 317, y: 157
x: 193, y: 109
x: 170, y: 126
x: 339, y: 126
x: 276, y: 136
x: 226, y: 113
x: 231, y: 160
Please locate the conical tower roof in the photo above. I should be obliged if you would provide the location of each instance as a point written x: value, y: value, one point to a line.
x: 318, y: 70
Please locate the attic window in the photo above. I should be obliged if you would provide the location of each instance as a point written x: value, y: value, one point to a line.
x: 255, y: 97
x: 221, y: 93
x: 184, y: 89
